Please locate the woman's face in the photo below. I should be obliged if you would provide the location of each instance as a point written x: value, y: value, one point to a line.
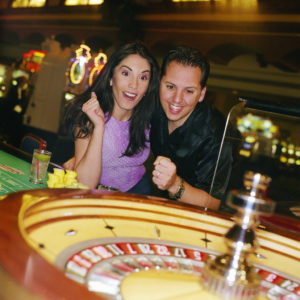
x: 129, y: 84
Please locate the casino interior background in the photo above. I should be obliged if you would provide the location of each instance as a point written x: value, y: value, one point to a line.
x: 253, y: 47
x: 254, y: 50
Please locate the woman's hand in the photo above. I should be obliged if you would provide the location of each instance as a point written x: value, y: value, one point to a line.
x: 69, y: 164
x: 93, y: 110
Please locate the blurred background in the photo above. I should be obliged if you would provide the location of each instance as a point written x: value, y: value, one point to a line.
x: 51, y: 50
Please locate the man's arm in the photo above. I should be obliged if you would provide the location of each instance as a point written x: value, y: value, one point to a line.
x: 166, y: 178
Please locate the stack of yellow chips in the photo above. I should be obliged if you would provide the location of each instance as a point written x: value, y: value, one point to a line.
x: 64, y: 179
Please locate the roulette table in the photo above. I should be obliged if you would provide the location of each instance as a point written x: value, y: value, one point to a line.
x: 87, y: 244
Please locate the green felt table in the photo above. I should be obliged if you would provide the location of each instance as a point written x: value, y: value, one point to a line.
x: 11, y: 182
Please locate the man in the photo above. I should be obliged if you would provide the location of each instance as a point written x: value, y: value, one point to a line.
x: 186, y: 132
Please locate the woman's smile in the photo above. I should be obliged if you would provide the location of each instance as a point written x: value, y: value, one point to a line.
x: 130, y: 96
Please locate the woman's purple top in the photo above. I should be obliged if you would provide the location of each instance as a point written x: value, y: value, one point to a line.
x: 121, y: 172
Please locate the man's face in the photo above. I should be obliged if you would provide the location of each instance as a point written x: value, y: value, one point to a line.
x: 180, y: 91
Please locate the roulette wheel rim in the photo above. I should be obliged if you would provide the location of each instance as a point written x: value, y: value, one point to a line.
x: 26, y: 203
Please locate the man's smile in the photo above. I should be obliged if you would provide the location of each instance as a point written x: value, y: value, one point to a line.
x: 175, y: 108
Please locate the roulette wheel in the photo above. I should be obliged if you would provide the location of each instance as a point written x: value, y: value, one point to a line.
x: 86, y: 244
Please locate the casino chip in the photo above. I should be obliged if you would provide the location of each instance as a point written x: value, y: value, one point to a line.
x: 64, y: 179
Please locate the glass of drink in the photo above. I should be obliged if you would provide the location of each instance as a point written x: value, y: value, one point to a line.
x: 39, y: 166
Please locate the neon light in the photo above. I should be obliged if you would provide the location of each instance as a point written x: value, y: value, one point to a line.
x: 33, y: 60
x: 251, y: 124
x: 81, y: 2
x: 83, y: 51
x: 99, y: 62
x: 77, y: 71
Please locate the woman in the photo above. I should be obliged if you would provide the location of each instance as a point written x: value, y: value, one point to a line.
x: 111, y: 122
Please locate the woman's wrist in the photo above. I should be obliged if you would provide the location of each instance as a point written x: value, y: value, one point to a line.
x: 98, y: 129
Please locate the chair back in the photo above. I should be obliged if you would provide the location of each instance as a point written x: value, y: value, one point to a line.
x: 30, y: 142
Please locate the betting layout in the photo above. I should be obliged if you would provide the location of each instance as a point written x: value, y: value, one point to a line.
x: 12, y: 180
x: 10, y: 169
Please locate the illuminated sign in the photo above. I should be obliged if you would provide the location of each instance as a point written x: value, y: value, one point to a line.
x: 252, y: 124
x: 78, y: 68
x: 99, y: 62
x: 33, y: 59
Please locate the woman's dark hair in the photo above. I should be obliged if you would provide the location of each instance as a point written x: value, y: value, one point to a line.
x: 189, y: 57
x: 142, y: 112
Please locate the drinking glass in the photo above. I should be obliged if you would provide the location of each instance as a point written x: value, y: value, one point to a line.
x: 39, y: 166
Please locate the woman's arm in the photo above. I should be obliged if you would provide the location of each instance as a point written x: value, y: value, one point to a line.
x: 88, y: 151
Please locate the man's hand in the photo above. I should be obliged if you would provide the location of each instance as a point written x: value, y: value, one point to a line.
x: 164, y: 174
x: 166, y: 178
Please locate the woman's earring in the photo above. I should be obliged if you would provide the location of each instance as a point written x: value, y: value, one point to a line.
x: 110, y: 82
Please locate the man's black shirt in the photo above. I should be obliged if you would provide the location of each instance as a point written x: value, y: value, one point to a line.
x: 194, y: 146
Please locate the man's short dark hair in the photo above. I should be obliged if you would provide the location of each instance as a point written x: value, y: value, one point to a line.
x: 189, y: 57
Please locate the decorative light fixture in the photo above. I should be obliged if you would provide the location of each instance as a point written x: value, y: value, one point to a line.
x: 33, y: 59
x: 77, y: 71
x: 28, y: 3
x: 99, y: 62
x: 83, y: 2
